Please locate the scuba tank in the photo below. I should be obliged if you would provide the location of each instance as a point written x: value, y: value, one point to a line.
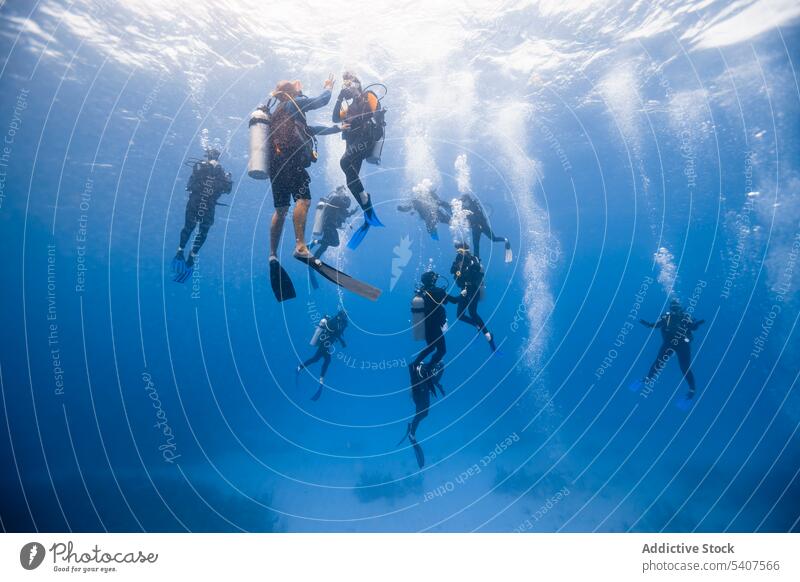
x: 374, y: 156
x: 379, y: 124
x: 258, y: 164
x: 418, y: 317
x: 319, y: 219
x: 318, y: 332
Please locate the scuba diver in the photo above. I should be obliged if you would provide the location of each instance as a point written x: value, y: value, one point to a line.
x: 430, y: 318
x: 469, y: 278
x: 423, y: 386
x: 479, y: 225
x: 332, y: 212
x: 208, y: 182
x: 359, y: 110
x: 329, y: 330
x: 430, y: 208
x: 292, y: 147
x: 676, y: 333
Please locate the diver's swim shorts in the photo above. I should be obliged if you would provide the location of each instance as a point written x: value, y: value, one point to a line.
x: 290, y: 183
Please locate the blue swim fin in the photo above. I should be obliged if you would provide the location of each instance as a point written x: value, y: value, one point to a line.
x: 435, y: 235
x: 371, y: 218
x: 182, y: 268
x: 358, y: 236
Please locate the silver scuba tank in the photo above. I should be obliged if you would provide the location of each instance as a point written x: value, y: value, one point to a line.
x: 374, y: 156
x: 258, y: 164
x: 319, y: 219
x: 318, y: 332
x: 418, y: 318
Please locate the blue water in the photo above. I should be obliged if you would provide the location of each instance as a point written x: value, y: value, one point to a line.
x: 627, y: 151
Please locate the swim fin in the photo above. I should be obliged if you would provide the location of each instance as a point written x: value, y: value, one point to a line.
x: 282, y: 285
x: 684, y: 404
x: 435, y: 234
x: 371, y: 218
x: 509, y: 254
x: 342, y: 279
x: 183, y: 269
x: 358, y: 236
x: 317, y: 394
x: 417, y: 450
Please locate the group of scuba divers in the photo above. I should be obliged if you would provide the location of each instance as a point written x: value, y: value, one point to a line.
x: 282, y: 148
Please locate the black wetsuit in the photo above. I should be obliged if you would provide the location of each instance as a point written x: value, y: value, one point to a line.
x: 360, y: 137
x: 206, y: 184
x: 469, y: 276
x: 421, y: 391
x: 478, y: 223
x: 676, y: 334
x: 435, y: 318
x: 332, y: 332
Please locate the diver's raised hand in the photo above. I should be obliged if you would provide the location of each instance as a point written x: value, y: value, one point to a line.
x: 329, y: 82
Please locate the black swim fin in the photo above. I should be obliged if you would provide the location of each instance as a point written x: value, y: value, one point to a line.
x: 417, y: 451
x: 317, y: 394
x: 342, y: 279
x: 282, y: 285
x: 358, y: 236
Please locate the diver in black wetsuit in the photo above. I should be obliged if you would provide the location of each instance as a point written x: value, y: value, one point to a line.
x: 208, y: 182
x: 361, y: 116
x: 430, y: 208
x: 335, y: 209
x: 468, y: 274
x: 479, y: 225
x: 435, y: 319
x: 676, y: 333
x: 424, y: 384
x: 329, y: 330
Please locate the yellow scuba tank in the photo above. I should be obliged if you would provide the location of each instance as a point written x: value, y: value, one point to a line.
x: 418, y: 317
x: 258, y: 164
